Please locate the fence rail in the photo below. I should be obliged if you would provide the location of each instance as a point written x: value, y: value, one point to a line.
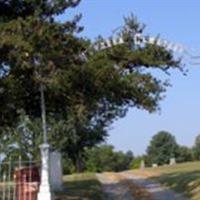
x: 19, y: 180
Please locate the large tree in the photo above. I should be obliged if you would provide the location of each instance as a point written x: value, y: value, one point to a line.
x: 163, y: 146
x: 36, y: 49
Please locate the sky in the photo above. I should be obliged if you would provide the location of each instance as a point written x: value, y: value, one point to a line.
x: 176, y: 21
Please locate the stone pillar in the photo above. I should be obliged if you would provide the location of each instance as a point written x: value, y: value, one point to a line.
x: 45, y: 190
x: 56, y: 171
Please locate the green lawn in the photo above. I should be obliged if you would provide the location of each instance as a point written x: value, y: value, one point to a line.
x: 81, y: 187
x: 183, y: 178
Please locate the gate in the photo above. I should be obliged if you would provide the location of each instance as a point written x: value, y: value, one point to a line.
x: 19, y: 180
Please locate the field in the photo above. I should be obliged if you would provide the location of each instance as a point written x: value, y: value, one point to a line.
x: 184, y: 178
x: 81, y: 187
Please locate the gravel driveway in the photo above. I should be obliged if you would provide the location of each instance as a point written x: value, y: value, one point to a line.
x: 113, y: 189
x: 157, y: 191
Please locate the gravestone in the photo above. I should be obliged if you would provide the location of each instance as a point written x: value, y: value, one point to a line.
x: 172, y: 161
x: 155, y: 165
x: 142, y: 164
x: 56, y: 171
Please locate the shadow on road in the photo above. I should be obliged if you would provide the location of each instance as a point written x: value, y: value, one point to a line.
x: 80, y: 190
x: 155, y: 190
x: 185, y: 182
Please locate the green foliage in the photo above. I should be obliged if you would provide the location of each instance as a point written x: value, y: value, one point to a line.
x: 11, y: 9
x: 83, y: 96
x: 136, y: 163
x: 184, y: 154
x: 76, y: 137
x: 22, y: 140
x: 162, y: 147
x: 68, y: 166
x: 196, y: 148
x: 104, y: 158
x: 34, y: 50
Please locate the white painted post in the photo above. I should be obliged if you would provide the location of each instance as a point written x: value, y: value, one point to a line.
x: 4, y: 186
x: 9, y: 179
x: 44, y: 190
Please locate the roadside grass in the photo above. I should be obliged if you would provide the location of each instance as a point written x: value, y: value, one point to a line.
x: 80, y: 187
x: 184, y: 178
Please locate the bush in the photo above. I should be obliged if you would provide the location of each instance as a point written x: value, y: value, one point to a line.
x: 185, y: 154
x: 68, y: 166
x: 136, y: 163
x: 104, y: 158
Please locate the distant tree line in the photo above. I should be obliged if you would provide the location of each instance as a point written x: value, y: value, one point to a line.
x: 103, y: 158
x: 161, y: 149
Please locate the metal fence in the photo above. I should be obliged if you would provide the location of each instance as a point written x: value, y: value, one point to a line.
x: 19, y: 180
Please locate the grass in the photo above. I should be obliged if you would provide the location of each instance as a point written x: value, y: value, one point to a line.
x: 184, y: 178
x: 81, y: 187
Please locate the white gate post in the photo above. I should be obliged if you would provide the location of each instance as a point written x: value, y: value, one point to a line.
x: 45, y: 190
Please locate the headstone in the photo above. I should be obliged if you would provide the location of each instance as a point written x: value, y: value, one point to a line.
x: 172, y: 161
x: 56, y: 171
x: 142, y: 164
x: 154, y: 165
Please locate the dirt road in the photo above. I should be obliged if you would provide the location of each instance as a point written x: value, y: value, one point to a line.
x: 127, y: 186
x: 113, y: 189
x: 156, y: 191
